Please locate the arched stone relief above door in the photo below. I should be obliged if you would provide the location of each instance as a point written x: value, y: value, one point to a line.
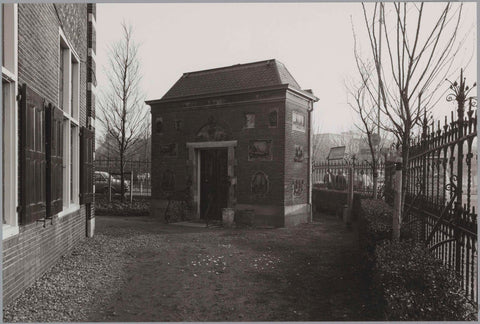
x: 212, y: 131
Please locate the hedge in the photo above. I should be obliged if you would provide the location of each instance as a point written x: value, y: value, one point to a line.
x: 332, y: 201
x: 374, y: 225
x: 408, y: 282
x: 415, y: 286
x: 139, y: 207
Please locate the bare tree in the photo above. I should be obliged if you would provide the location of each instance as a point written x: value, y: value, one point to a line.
x: 318, y: 141
x: 409, y: 77
x: 122, y: 112
x: 360, y: 101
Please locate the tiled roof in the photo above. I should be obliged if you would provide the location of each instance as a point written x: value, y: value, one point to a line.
x: 232, y: 78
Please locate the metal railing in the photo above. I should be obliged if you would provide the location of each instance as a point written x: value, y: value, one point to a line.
x: 141, y: 183
x: 334, y: 175
x: 441, y: 189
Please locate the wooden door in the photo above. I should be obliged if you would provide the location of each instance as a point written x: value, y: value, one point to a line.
x: 213, y: 183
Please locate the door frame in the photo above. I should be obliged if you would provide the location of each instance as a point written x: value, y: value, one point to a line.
x: 193, y: 167
x: 202, y: 151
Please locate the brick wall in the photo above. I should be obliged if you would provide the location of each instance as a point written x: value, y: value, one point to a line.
x: 27, y: 255
x: 39, y: 46
x: 36, y: 249
x: 296, y: 171
x: 194, y: 115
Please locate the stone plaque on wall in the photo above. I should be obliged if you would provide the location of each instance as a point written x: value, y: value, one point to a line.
x: 249, y: 120
x: 159, y: 125
x: 298, y: 121
x: 260, y: 150
x: 178, y: 124
x: 168, y: 149
x: 259, y: 184
x: 299, y: 155
x: 168, y: 180
x: 273, y: 118
x: 298, y: 187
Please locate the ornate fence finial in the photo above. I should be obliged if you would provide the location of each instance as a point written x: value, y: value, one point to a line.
x: 459, y: 91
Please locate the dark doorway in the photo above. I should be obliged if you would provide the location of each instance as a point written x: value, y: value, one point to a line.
x: 213, y: 183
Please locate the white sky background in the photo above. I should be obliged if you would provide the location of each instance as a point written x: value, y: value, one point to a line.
x: 313, y: 40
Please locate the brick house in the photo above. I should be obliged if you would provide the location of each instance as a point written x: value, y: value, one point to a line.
x: 48, y: 116
x: 237, y: 137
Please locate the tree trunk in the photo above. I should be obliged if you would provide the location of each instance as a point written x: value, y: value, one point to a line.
x: 405, y: 157
x: 122, y: 183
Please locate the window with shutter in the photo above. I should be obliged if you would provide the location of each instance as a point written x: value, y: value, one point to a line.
x: 32, y: 156
x: 86, y: 165
x: 69, y: 94
x: 54, y: 144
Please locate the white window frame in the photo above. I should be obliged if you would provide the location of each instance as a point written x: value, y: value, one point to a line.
x: 10, y: 158
x: 71, y: 110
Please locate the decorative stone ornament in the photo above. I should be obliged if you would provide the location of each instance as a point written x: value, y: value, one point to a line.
x: 298, y: 121
x: 159, y: 125
x: 212, y: 131
x: 168, y: 180
x: 260, y: 150
x: 299, y: 155
x: 178, y: 124
x: 273, y: 118
x: 249, y: 120
x: 259, y: 184
x: 298, y: 187
x: 168, y: 149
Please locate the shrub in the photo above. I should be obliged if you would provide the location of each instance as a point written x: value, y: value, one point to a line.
x: 414, y: 285
x: 329, y: 201
x: 375, y: 224
x: 332, y: 201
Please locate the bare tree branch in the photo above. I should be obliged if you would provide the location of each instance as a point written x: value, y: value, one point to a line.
x: 122, y: 111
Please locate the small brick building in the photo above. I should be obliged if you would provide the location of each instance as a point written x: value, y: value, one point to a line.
x: 237, y: 137
x: 48, y: 98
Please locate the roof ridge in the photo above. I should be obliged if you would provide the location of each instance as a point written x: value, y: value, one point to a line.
x: 289, y: 74
x: 239, y: 65
x: 277, y: 70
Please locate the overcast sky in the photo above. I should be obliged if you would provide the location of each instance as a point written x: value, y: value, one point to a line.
x: 313, y: 40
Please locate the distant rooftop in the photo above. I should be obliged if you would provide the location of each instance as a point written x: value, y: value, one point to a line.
x: 232, y: 78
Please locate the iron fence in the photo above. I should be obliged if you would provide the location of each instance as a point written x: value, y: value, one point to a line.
x: 441, y: 190
x: 334, y: 175
x: 141, y: 173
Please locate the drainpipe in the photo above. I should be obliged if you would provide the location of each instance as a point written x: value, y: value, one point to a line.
x: 310, y: 189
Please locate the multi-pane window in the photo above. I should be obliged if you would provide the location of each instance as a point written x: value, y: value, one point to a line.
x: 9, y: 119
x: 69, y: 78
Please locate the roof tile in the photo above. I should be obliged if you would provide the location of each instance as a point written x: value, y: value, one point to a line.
x: 232, y: 78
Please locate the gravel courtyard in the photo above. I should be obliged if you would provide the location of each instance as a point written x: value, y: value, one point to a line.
x: 139, y: 269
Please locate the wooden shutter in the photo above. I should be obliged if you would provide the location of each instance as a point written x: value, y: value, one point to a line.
x: 32, y: 156
x: 86, y: 165
x: 54, y: 150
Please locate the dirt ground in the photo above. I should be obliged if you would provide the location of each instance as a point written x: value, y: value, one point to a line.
x: 139, y: 269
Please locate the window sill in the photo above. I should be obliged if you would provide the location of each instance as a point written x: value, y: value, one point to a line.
x: 72, y: 208
x: 9, y: 231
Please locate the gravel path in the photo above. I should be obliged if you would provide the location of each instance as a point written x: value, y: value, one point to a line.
x: 137, y: 269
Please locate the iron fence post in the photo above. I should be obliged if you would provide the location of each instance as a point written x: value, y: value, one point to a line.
x: 460, y: 98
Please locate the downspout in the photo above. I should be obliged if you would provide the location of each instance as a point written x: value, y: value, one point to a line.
x: 310, y: 189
